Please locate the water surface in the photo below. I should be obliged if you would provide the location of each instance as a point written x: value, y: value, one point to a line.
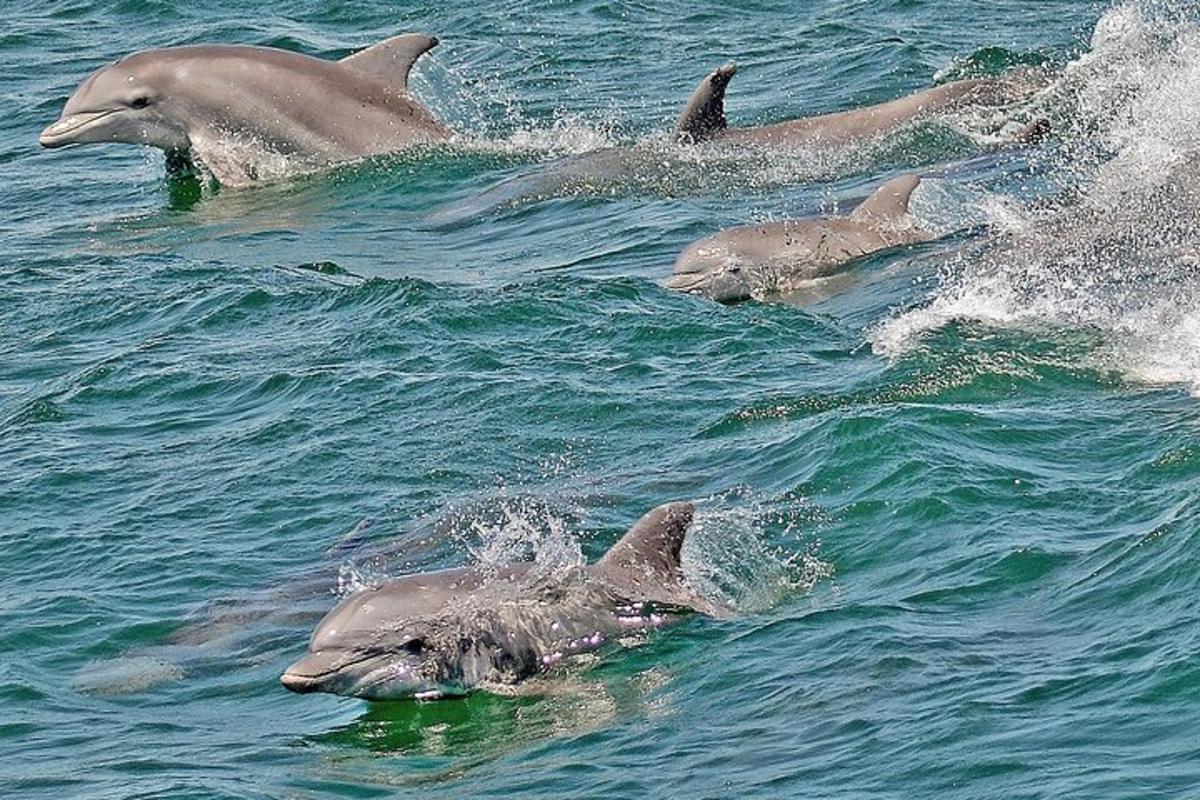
x: 955, y: 495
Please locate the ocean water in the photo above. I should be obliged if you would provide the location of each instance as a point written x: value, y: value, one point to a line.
x: 954, y: 494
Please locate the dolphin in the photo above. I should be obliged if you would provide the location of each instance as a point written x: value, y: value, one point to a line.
x: 449, y: 632
x: 252, y: 113
x: 750, y: 261
x: 671, y: 158
x: 703, y: 118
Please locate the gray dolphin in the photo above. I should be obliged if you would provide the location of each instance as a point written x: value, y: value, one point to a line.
x: 703, y: 118
x: 744, y: 262
x: 445, y: 633
x: 648, y: 164
x: 251, y: 113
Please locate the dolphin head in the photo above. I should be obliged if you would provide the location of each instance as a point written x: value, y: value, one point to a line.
x: 403, y: 664
x: 128, y: 101
x: 378, y: 645
x: 712, y: 268
x: 423, y: 636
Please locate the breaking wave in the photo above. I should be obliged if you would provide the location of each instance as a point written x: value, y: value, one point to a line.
x: 1114, y: 251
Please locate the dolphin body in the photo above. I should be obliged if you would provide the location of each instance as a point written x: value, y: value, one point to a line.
x: 702, y: 123
x: 445, y: 633
x: 252, y: 113
x: 750, y: 261
x: 703, y: 118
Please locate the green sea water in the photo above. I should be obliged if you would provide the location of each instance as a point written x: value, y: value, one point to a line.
x: 954, y: 495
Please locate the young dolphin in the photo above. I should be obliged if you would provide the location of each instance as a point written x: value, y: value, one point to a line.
x: 250, y: 113
x: 740, y: 263
x: 446, y: 633
x: 703, y: 118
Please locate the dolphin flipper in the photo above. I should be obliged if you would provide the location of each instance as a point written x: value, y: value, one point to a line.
x: 704, y: 114
x: 645, y: 563
x: 889, y: 202
x: 392, y: 58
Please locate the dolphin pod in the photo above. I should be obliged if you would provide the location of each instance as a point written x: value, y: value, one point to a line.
x: 775, y: 257
x: 245, y: 114
x: 446, y: 633
x: 240, y: 111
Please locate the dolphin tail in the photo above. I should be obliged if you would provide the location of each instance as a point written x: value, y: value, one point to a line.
x: 392, y: 59
x: 645, y: 563
x: 704, y: 114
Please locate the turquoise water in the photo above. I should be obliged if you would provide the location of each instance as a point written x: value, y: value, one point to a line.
x: 954, y: 495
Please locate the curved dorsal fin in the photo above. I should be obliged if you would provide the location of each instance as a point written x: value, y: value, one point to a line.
x: 890, y: 201
x: 704, y: 113
x: 644, y: 564
x: 392, y: 59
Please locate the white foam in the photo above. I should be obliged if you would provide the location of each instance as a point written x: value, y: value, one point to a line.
x: 1119, y: 257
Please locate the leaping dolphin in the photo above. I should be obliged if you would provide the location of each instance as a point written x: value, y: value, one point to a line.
x: 703, y: 118
x: 251, y: 113
x: 446, y: 633
x: 750, y: 261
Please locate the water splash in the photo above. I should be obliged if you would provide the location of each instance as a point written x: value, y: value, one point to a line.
x: 750, y: 554
x: 1115, y: 253
x: 523, y: 531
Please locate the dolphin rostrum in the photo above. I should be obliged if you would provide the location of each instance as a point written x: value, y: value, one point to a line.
x: 445, y: 633
x: 754, y: 260
x: 703, y: 118
x: 252, y: 113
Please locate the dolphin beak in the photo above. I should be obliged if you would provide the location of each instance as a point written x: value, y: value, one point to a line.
x: 300, y: 684
x: 685, y: 282
x: 67, y: 129
x: 309, y: 674
x: 724, y: 285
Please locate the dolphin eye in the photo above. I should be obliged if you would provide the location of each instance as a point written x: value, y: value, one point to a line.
x: 140, y: 102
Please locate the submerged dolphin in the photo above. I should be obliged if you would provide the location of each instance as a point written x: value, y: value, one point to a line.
x: 740, y: 263
x: 703, y: 118
x: 250, y: 113
x: 448, y: 632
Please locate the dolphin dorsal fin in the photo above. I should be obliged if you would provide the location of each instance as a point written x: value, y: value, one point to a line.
x: 890, y: 201
x: 650, y: 549
x: 392, y: 59
x: 704, y: 113
x: 644, y: 564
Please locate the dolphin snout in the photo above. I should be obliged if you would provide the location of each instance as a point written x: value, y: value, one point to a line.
x: 710, y: 269
x: 311, y: 673
x: 67, y: 129
x: 300, y: 684
x: 52, y: 136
